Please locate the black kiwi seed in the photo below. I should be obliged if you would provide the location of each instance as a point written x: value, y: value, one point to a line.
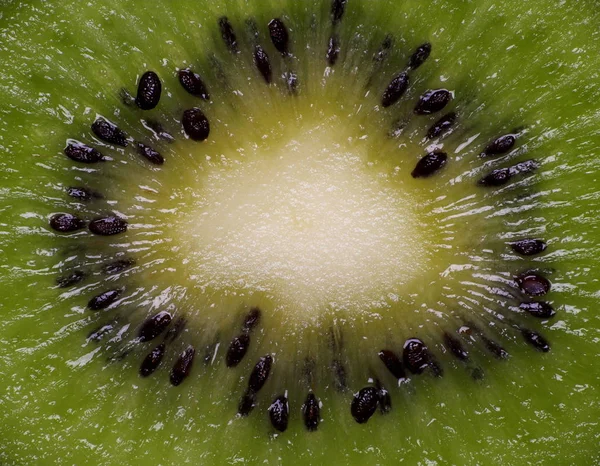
x: 419, y: 56
x: 237, y: 350
x: 337, y: 10
x: 148, y: 92
x: 385, y: 401
x: 533, y: 284
x: 192, y: 83
x: 393, y: 363
x: 83, y: 153
x: 429, y: 164
x: 150, y: 154
x: 252, y: 319
x: 195, y: 124
x: 528, y: 246
x: 500, y: 145
x: 416, y: 356
x: 117, y: 266
x: 433, y: 101
x: 279, y: 36
x: 333, y: 50
x: 396, y: 88
x: 228, y: 34
x: 66, y: 223
x: 497, y: 177
x: 152, y: 360
x: 311, y: 412
x: 279, y: 412
x: 103, y: 300
x: 455, y: 347
x: 81, y: 193
x: 70, y: 279
x: 495, y: 348
x: 364, y: 404
x: 110, y: 133
x: 260, y: 373
x: 108, y: 226
x: 263, y: 64
x: 540, y: 309
x: 247, y: 403
x: 441, y: 126
x: 154, y: 326
x: 536, y: 340
x: 182, y: 367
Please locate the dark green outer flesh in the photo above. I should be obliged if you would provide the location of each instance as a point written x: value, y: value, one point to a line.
x: 534, y: 409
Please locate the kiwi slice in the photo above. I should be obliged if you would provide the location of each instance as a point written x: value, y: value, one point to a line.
x: 299, y: 231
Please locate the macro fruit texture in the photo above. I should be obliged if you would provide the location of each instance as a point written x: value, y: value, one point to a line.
x: 327, y: 232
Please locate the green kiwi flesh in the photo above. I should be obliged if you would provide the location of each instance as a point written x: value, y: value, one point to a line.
x: 299, y: 231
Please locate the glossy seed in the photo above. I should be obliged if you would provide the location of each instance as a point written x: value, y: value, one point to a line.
x: 247, y: 403
x: 442, y: 126
x: 100, y: 332
x: 429, y: 164
x: 540, y: 309
x: 150, y: 154
x: 279, y: 36
x: 536, y: 340
x: 455, y: 346
x: 333, y: 50
x: 524, y: 167
x: 193, y: 84
x: 384, y: 49
x: 263, y: 64
x: 83, y: 153
x: 533, y: 284
x: 337, y: 10
x: 152, y: 360
x: 364, y: 404
x: 70, y: 279
x: 252, y: 319
x: 500, y: 145
x: 228, y: 34
x: 419, y: 56
x: 495, y: 348
x: 81, y: 193
x: 497, y: 177
x: 195, y: 124
x: 393, y: 363
x: 149, y: 90
x: 339, y: 375
x: 108, y: 226
x: 182, y: 367
x: 237, y: 350
x: 175, y: 330
x: 433, y: 101
x: 117, y: 266
x: 385, y: 401
x: 396, y: 88
x: 528, y: 247
x: 66, y: 223
x: 416, y: 356
x: 154, y: 326
x: 279, y: 412
x: 260, y: 373
x: 311, y: 412
x: 103, y: 300
x: 110, y: 133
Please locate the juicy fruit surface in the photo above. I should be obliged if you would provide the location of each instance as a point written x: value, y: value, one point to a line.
x: 64, y: 401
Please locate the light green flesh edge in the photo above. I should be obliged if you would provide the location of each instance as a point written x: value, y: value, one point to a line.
x: 519, y: 63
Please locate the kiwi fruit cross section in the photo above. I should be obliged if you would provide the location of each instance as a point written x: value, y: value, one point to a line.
x: 308, y: 216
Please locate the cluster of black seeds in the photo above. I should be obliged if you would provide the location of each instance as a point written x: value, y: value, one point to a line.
x: 415, y: 357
